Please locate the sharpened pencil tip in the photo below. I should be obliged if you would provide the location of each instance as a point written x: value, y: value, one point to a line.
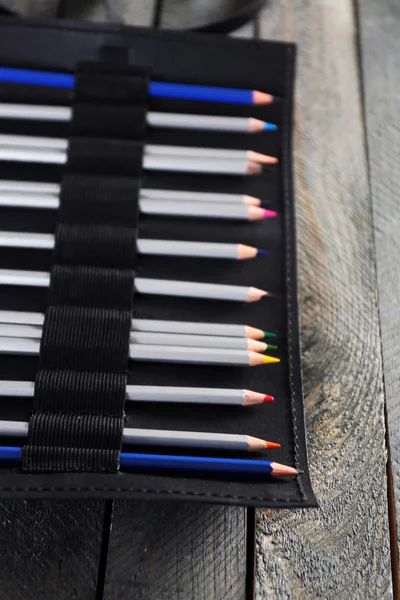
x: 262, y: 98
x: 268, y: 334
x: 270, y: 127
x: 268, y: 398
x: 272, y: 347
x: 300, y: 472
x: 270, y: 359
x: 272, y: 445
x: 269, y: 214
x: 262, y: 252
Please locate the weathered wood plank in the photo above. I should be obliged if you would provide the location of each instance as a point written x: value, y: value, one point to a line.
x: 341, y: 550
x: 50, y: 550
x: 379, y: 26
x: 176, y: 551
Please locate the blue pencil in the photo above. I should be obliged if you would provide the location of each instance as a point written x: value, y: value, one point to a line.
x: 156, y: 88
x: 198, y: 465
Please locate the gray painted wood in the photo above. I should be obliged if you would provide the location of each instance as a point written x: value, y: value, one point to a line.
x: 379, y: 26
x: 342, y: 549
x: 176, y: 551
x: 50, y: 550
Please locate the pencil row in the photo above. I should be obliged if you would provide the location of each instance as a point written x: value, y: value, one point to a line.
x: 64, y: 114
x: 242, y: 211
x: 187, y: 465
x: 44, y: 241
x: 30, y: 149
x: 229, y: 330
x: 161, y: 89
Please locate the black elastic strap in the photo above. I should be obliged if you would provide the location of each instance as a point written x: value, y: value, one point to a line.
x: 109, y: 82
x: 89, y: 199
x: 70, y: 392
x: 80, y: 388
x: 91, y: 286
x: 58, y: 459
x: 105, y: 156
x: 98, y: 245
x: 108, y: 120
x: 85, y: 339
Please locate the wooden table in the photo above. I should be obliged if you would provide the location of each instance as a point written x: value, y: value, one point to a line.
x: 346, y: 164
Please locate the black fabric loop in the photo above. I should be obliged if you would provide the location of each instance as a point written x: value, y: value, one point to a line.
x: 107, y: 120
x: 105, y: 156
x: 74, y: 431
x: 85, y: 339
x: 104, y: 82
x: 66, y: 460
x: 97, y: 245
x: 98, y: 199
x: 91, y: 286
x: 67, y: 391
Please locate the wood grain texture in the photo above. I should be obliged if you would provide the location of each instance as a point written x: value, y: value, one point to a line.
x: 50, y: 550
x: 176, y: 551
x: 342, y: 549
x: 379, y: 26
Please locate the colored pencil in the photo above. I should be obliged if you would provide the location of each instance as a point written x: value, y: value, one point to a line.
x: 60, y: 145
x: 188, y: 465
x: 150, y: 162
x: 162, y: 89
x: 200, y: 210
x: 152, y: 353
x: 156, y: 339
x: 44, y: 241
x: 158, y: 287
x: 157, y: 326
x: 160, y: 437
x: 154, y: 119
x: 40, y: 188
x: 154, y: 393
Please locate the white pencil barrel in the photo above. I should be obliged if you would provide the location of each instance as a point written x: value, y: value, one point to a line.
x: 29, y: 200
x: 53, y: 189
x: 44, y: 241
x: 158, y: 287
x: 201, y: 209
x: 184, y: 354
x: 191, y: 439
x: 37, y: 142
x: 195, y: 152
x: 146, y: 393
x: 154, y: 437
x: 189, y: 289
x: 187, y: 327
x: 148, y: 206
x: 145, y: 337
x: 34, y: 112
x: 29, y: 187
x: 185, y: 395
x: 149, y: 353
x: 188, y: 121
x: 182, y: 248
x: 154, y: 119
x: 150, y: 325
x: 156, y: 162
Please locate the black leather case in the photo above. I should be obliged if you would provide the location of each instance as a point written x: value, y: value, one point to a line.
x: 198, y: 59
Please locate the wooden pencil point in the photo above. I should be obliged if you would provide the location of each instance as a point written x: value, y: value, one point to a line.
x: 262, y: 98
x: 251, y: 397
x: 262, y: 159
x: 255, y: 294
x: 279, y: 470
x: 251, y: 201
